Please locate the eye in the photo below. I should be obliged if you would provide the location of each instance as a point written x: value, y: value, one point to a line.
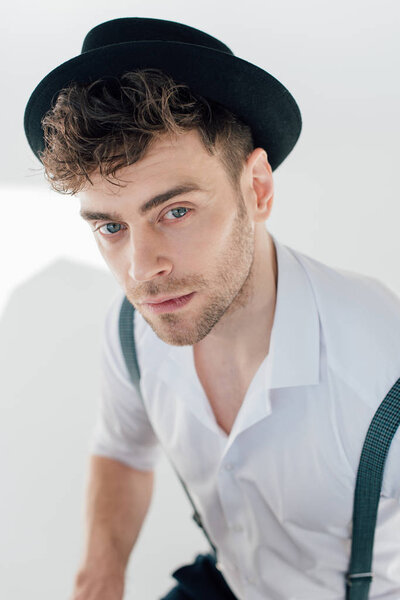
x: 178, y: 209
x: 110, y: 233
x: 111, y: 227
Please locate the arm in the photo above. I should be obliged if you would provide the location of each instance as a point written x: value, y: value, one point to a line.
x: 118, y: 498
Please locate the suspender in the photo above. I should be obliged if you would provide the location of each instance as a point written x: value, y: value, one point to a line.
x: 369, y: 477
x: 367, y: 492
x: 126, y: 333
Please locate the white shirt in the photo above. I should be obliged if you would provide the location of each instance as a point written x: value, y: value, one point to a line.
x: 276, y: 495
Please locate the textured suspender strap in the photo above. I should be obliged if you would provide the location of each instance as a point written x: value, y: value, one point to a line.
x: 367, y: 493
x: 126, y: 334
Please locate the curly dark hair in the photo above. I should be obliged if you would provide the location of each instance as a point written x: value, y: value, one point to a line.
x: 111, y: 123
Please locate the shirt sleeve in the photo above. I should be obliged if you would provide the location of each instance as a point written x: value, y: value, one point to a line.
x: 122, y: 430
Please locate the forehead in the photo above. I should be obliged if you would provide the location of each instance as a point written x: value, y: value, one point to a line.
x: 168, y: 160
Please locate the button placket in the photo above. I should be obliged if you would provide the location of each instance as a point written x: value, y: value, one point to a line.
x: 231, y: 505
x: 237, y: 527
x: 249, y: 579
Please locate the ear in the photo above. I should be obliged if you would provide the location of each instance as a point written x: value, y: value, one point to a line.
x: 260, y: 185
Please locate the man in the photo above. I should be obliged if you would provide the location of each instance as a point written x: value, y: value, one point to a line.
x: 261, y: 379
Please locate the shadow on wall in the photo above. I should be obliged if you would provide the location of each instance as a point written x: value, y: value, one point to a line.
x: 50, y: 349
x: 50, y: 343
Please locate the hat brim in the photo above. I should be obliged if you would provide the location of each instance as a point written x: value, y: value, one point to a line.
x: 253, y: 94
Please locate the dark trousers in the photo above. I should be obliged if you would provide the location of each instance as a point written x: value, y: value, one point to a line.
x: 200, y: 580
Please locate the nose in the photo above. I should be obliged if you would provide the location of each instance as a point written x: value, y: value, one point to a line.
x: 147, y: 257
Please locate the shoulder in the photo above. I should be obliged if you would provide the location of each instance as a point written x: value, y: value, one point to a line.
x: 360, y: 326
x: 360, y: 322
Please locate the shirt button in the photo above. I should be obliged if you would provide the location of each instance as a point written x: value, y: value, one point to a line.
x: 229, y: 466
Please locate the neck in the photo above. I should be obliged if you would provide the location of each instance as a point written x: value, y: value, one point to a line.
x: 243, y: 335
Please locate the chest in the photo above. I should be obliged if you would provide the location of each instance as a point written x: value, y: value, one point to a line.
x: 225, y: 401
x: 225, y: 390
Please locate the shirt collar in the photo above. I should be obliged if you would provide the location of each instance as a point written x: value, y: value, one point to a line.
x: 294, y: 354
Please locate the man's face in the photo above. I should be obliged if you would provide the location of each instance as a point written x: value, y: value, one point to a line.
x: 201, y: 241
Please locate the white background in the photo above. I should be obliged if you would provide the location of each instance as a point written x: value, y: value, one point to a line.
x: 336, y: 199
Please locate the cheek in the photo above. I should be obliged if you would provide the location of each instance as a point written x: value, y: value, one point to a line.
x: 217, y: 241
x: 113, y: 257
x: 207, y: 240
x: 104, y: 251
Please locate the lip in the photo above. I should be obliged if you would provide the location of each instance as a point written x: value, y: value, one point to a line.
x: 165, y: 299
x: 170, y: 305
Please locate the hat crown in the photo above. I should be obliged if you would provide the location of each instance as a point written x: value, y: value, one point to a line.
x: 138, y: 29
x: 190, y: 57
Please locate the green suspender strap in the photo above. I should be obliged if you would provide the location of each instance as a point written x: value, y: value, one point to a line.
x: 369, y: 477
x: 367, y: 493
x: 127, y: 339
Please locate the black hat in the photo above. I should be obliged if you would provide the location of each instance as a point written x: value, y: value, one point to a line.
x: 189, y: 56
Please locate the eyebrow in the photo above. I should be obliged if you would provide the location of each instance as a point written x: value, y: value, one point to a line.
x: 89, y: 215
